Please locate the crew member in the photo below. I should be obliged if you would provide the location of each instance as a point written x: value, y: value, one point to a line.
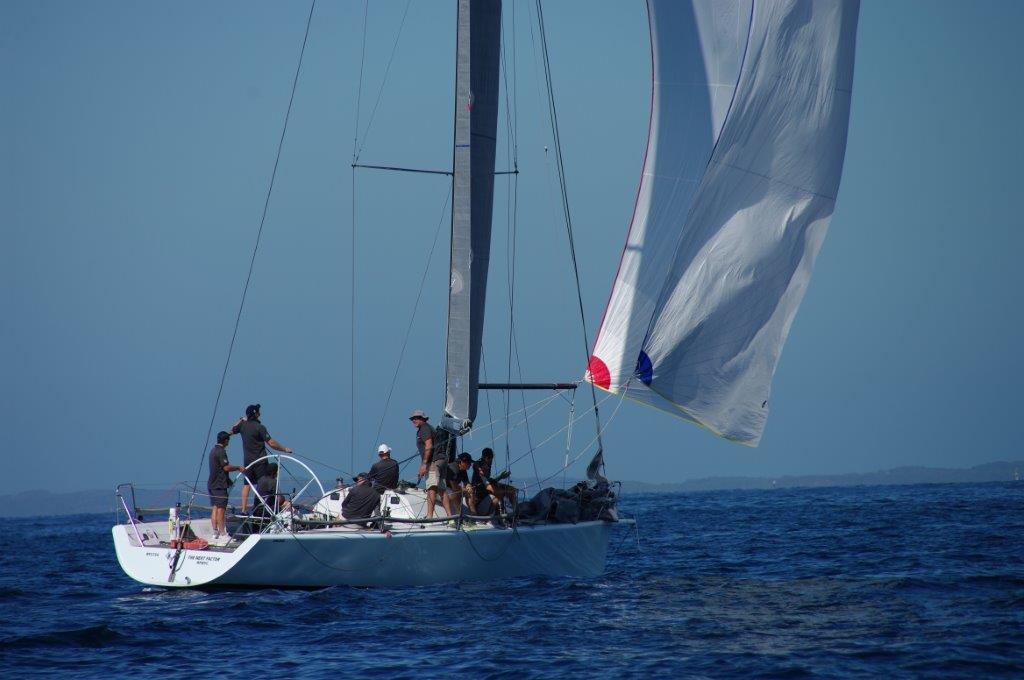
x: 255, y: 440
x: 459, y: 488
x: 219, y: 482
x: 385, y: 471
x: 361, y: 500
x: 432, y: 463
x: 267, y: 489
x: 483, y: 484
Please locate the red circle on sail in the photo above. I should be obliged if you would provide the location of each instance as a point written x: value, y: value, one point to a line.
x: 599, y: 373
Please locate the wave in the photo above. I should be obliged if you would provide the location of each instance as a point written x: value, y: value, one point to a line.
x: 10, y: 593
x: 89, y: 636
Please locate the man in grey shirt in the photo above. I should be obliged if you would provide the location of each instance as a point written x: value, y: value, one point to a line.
x: 432, y: 461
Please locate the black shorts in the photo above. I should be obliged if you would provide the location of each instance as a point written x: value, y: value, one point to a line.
x: 254, y: 472
x: 218, y: 497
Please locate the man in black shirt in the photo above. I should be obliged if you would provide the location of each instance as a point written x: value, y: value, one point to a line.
x: 255, y: 440
x: 219, y: 481
x: 266, y: 487
x: 432, y: 461
x: 459, y: 488
x: 483, y: 484
x: 385, y: 471
x: 482, y: 474
x: 361, y: 500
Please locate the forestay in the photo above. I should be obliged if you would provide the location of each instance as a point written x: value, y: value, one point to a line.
x: 747, y: 137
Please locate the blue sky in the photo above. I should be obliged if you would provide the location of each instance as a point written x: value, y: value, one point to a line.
x: 138, y: 141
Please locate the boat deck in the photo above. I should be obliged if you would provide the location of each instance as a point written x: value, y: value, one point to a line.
x: 155, y: 534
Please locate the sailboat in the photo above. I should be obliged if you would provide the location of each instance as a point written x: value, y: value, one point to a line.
x: 750, y: 102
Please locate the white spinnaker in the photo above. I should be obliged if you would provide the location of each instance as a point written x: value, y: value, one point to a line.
x: 731, y: 257
x: 757, y: 220
x: 696, y: 50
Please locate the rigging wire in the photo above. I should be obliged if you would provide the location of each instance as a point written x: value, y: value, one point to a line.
x: 595, y: 440
x: 529, y: 436
x: 412, y: 317
x: 511, y: 113
x: 380, y: 92
x: 568, y: 436
x: 487, y: 393
x: 352, y: 331
x: 359, y: 89
x: 511, y: 221
x: 548, y: 96
x: 357, y: 149
x: 530, y: 411
x: 510, y: 259
x: 255, y: 249
x: 564, y: 427
x: 515, y: 221
x: 553, y: 114
x: 513, y: 344
x: 355, y: 141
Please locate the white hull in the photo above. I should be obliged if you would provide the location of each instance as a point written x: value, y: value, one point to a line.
x: 368, y: 558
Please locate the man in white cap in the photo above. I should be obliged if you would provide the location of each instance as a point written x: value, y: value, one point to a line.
x: 385, y: 471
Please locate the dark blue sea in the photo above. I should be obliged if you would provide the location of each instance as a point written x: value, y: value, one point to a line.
x: 914, y: 581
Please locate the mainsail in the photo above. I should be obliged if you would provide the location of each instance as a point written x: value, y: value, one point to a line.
x: 476, y: 121
x: 750, y: 106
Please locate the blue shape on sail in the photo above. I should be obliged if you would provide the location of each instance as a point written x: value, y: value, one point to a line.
x: 644, y: 368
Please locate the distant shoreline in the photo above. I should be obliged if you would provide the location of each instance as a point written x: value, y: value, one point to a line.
x: 41, y: 503
x: 999, y: 471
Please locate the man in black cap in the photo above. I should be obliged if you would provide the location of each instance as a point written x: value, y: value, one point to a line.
x: 219, y: 481
x: 255, y: 440
x: 361, y: 500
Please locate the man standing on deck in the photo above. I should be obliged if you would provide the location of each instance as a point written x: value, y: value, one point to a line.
x: 432, y: 462
x: 255, y: 440
x: 218, y: 483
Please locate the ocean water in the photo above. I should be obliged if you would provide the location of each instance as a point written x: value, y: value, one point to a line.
x: 919, y: 581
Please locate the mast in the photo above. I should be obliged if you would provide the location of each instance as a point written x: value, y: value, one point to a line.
x: 477, y: 60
